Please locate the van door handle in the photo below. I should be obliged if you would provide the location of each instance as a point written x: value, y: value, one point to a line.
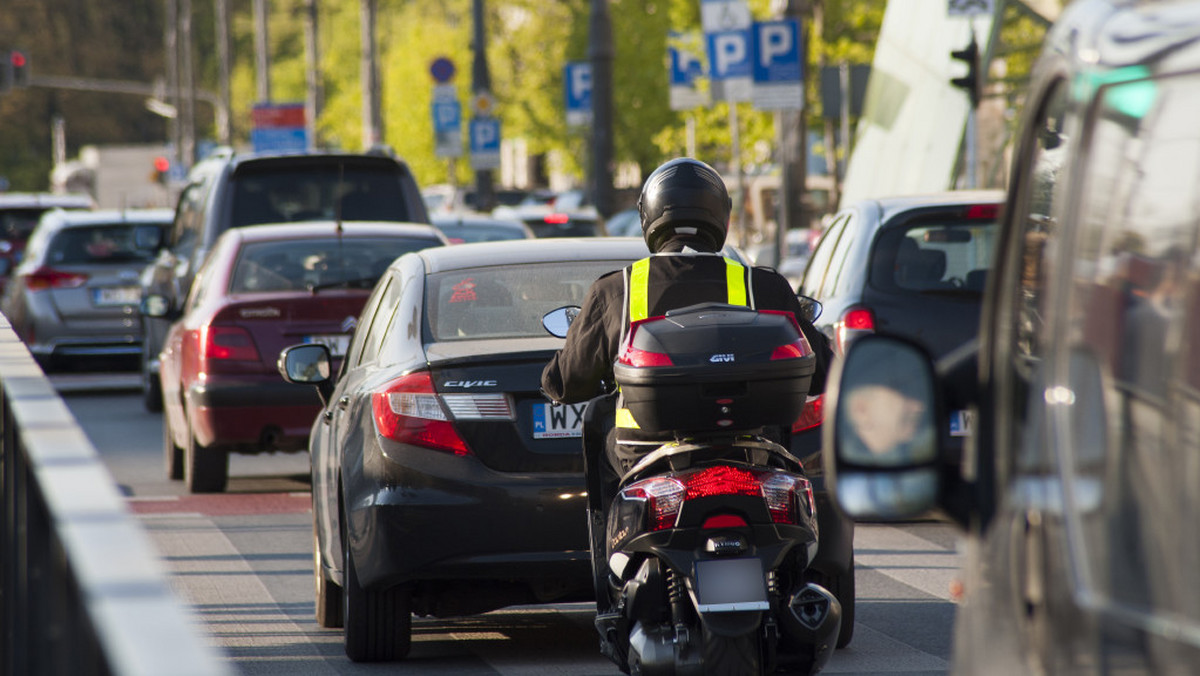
x: 343, y: 403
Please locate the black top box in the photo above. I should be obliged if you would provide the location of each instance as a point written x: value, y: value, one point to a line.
x: 715, y: 367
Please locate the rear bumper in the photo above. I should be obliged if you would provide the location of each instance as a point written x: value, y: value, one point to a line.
x: 444, y: 517
x: 252, y: 416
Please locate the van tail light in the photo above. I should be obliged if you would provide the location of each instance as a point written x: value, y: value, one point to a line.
x: 227, y: 343
x: 408, y: 410
x: 787, y: 495
x: 48, y: 278
x: 811, y: 415
x: 983, y: 212
x: 854, y: 320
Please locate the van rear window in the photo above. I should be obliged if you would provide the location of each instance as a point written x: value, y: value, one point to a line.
x: 324, y: 192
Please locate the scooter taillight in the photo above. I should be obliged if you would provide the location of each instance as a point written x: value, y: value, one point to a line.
x: 784, y: 493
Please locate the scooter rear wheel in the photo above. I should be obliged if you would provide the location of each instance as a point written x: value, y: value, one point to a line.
x: 731, y: 656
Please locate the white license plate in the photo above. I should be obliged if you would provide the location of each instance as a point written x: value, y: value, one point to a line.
x: 557, y: 421
x: 117, y: 295
x: 961, y: 423
x: 336, y: 342
x: 730, y: 585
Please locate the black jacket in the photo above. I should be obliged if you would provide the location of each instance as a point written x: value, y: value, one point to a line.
x: 678, y: 278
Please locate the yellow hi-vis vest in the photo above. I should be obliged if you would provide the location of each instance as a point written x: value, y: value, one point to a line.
x: 638, y: 292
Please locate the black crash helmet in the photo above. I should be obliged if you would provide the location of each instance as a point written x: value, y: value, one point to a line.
x: 684, y: 197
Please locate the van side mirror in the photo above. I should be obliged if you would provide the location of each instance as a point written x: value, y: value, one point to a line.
x: 883, y: 435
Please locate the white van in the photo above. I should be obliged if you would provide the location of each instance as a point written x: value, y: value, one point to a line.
x: 1080, y: 488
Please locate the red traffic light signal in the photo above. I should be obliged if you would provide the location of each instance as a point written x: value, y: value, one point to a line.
x: 18, y: 67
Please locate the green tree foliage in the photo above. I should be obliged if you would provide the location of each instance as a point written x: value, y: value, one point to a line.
x: 81, y: 38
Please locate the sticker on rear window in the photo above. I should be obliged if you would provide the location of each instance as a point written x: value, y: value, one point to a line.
x: 464, y: 291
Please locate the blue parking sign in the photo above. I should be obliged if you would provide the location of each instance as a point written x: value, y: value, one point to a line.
x: 577, y: 86
x: 485, y: 143
x: 776, y: 51
x: 729, y: 54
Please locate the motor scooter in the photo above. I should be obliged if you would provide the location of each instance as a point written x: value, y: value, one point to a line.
x: 699, y: 551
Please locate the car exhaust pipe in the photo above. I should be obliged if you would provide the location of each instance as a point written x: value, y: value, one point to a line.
x: 812, y: 620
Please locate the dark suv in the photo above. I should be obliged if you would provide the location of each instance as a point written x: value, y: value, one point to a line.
x: 230, y: 190
x: 1080, y: 492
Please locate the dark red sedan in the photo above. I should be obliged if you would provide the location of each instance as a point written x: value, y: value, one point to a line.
x: 259, y: 290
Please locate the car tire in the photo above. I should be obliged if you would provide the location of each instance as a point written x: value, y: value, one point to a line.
x: 205, y: 469
x: 151, y: 387
x: 172, y: 453
x: 843, y: 587
x: 377, y: 624
x: 328, y: 593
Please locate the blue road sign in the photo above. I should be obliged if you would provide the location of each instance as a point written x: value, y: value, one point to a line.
x: 447, y: 116
x: 282, y: 139
x: 485, y: 143
x: 776, y: 51
x: 577, y: 86
x: 686, y: 64
x: 729, y: 54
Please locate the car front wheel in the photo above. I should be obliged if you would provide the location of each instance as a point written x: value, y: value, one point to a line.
x: 329, y: 593
x: 378, y: 624
x: 172, y: 453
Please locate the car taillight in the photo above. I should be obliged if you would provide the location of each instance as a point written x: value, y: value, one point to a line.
x: 665, y: 495
x: 48, y: 278
x: 557, y: 218
x: 811, y: 415
x: 227, y: 343
x: 855, y: 318
x: 637, y: 357
x: 409, y: 411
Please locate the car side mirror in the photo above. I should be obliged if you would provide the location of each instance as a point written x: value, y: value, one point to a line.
x: 810, y: 308
x: 148, y: 237
x: 307, y: 364
x: 883, y: 435
x: 158, y: 306
x: 556, y: 322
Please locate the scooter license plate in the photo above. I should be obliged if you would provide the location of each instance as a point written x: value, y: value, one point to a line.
x: 730, y: 585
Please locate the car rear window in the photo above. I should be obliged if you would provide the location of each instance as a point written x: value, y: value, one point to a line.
x: 481, y: 232
x: 17, y: 224
x: 934, y: 256
x: 506, y: 302
x: 317, y: 192
x: 113, y: 243
x: 292, y: 265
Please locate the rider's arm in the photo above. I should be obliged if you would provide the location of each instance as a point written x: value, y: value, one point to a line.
x: 773, y: 290
x: 577, y: 370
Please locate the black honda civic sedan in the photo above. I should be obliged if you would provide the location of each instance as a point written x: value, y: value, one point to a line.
x: 443, y: 482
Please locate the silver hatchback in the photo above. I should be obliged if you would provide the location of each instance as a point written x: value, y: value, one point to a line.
x: 75, y: 294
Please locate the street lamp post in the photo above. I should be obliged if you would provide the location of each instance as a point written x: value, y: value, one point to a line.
x: 481, y: 88
x: 601, y: 53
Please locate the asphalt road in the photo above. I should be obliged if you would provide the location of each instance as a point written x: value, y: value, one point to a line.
x: 243, y: 562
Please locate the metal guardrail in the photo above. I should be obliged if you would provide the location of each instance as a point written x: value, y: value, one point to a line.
x: 82, y: 590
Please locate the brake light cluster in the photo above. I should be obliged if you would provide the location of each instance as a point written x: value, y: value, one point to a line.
x: 48, y: 278
x: 783, y: 492
x: 855, y: 319
x: 640, y: 358
x: 812, y: 415
x: 227, y: 343
x: 408, y: 410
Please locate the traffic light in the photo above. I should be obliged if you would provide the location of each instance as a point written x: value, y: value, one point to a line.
x: 970, y: 81
x: 18, y: 62
x: 161, y: 167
